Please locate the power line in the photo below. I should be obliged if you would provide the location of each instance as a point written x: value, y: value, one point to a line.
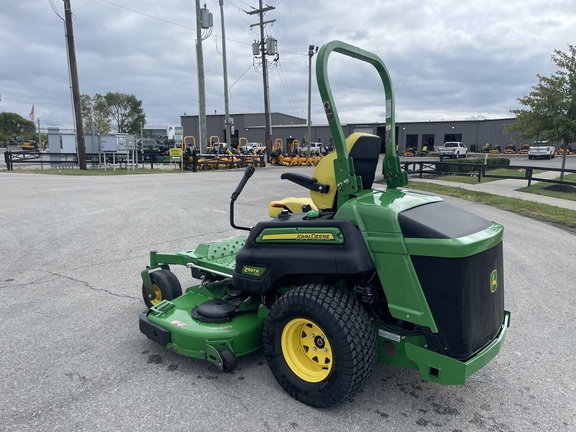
x: 149, y: 16
x: 179, y: 25
x: 241, y: 76
x: 237, y: 7
x: 55, y: 9
x: 165, y: 20
x: 283, y: 79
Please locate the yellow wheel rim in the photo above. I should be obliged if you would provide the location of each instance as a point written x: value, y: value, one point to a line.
x: 307, y: 350
x: 158, y: 294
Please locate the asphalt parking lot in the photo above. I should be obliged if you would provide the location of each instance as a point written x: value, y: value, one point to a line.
x: 73, y: 358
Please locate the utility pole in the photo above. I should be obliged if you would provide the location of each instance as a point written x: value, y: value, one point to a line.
x: 203, y: 22
x: 263, y: 51
x: 75, y: 87
x: 311, y: 51
x: 227, y: 123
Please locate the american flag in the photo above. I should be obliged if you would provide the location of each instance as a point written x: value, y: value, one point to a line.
x: 32, y: 113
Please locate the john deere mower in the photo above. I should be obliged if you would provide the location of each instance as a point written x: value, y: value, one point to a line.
x: 342, y: 278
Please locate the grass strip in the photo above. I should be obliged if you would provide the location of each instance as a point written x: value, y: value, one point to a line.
x: 473, y: 178
x: 541, y: 189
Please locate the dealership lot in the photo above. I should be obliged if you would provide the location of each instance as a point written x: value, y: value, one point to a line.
x: 74, y: 359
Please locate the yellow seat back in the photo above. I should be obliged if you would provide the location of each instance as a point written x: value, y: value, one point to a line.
x: 364, y: 149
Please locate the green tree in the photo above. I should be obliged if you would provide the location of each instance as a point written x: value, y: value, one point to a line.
x: 12, y: 124
x: 95, y: 114
x: 126, y: 112
x: 551, y: 105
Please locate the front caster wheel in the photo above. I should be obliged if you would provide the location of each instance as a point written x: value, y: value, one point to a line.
x: 166, y: 286
x: 320, y: 344
x: 229, y: 361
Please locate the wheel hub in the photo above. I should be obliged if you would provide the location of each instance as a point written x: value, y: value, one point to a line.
x: 307, y: 350
x: 158, y: 294
x: 319, y: 341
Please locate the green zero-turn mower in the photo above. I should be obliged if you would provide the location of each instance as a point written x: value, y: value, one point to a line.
x: 337, y: 281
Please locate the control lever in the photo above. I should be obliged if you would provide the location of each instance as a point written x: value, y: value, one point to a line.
x: 247, y: 174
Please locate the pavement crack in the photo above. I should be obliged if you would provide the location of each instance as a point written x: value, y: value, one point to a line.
x: 87, y: 285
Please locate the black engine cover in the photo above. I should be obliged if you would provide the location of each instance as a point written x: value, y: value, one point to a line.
x: 278, y: 264
x: 466, y: 297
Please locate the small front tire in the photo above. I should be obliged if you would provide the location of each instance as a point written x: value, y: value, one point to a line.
x: 166, y: 286
x: 229, y: 361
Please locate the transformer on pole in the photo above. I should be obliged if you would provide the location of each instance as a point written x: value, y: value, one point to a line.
x: 204, y: 23
x: 261, y: 48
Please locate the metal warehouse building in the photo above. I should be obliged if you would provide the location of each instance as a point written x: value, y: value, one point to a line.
x: 473, y: 133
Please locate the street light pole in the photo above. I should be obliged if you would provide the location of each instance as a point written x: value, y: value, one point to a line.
x: 311, y: 51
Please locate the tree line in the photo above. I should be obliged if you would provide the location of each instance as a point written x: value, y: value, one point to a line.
x: 550, y: 108
x: 14, y: 125
x: 120, y: 112
x: 101, y: 114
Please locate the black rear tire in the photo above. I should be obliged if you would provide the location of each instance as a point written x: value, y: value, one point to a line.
x: 166, y: 287
x: 320, y: 344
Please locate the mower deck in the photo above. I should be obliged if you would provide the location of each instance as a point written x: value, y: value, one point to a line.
x: 170, y: 323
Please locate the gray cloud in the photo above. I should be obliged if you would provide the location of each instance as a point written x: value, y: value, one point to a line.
x: 448, y: 59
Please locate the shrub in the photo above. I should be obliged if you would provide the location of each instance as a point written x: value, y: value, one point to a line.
x: 464, y: 166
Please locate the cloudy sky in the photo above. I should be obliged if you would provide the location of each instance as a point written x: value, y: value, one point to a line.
x: 449, y: 59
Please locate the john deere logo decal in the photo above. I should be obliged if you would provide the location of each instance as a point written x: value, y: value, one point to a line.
x: 307, y: 236
x: 493, y: 281
x: 302, y: 235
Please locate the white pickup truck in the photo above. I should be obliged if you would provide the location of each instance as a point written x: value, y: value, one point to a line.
x: 453, y: 149
x: 315, y: 148
x: 541, y: 149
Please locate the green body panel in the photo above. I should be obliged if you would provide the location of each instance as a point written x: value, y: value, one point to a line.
x: 411, y: 352
x: 405, y: 297
x: 376, y: 215
x: 457, y: 248
x: 445, y: 370
x: 377, y: 211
